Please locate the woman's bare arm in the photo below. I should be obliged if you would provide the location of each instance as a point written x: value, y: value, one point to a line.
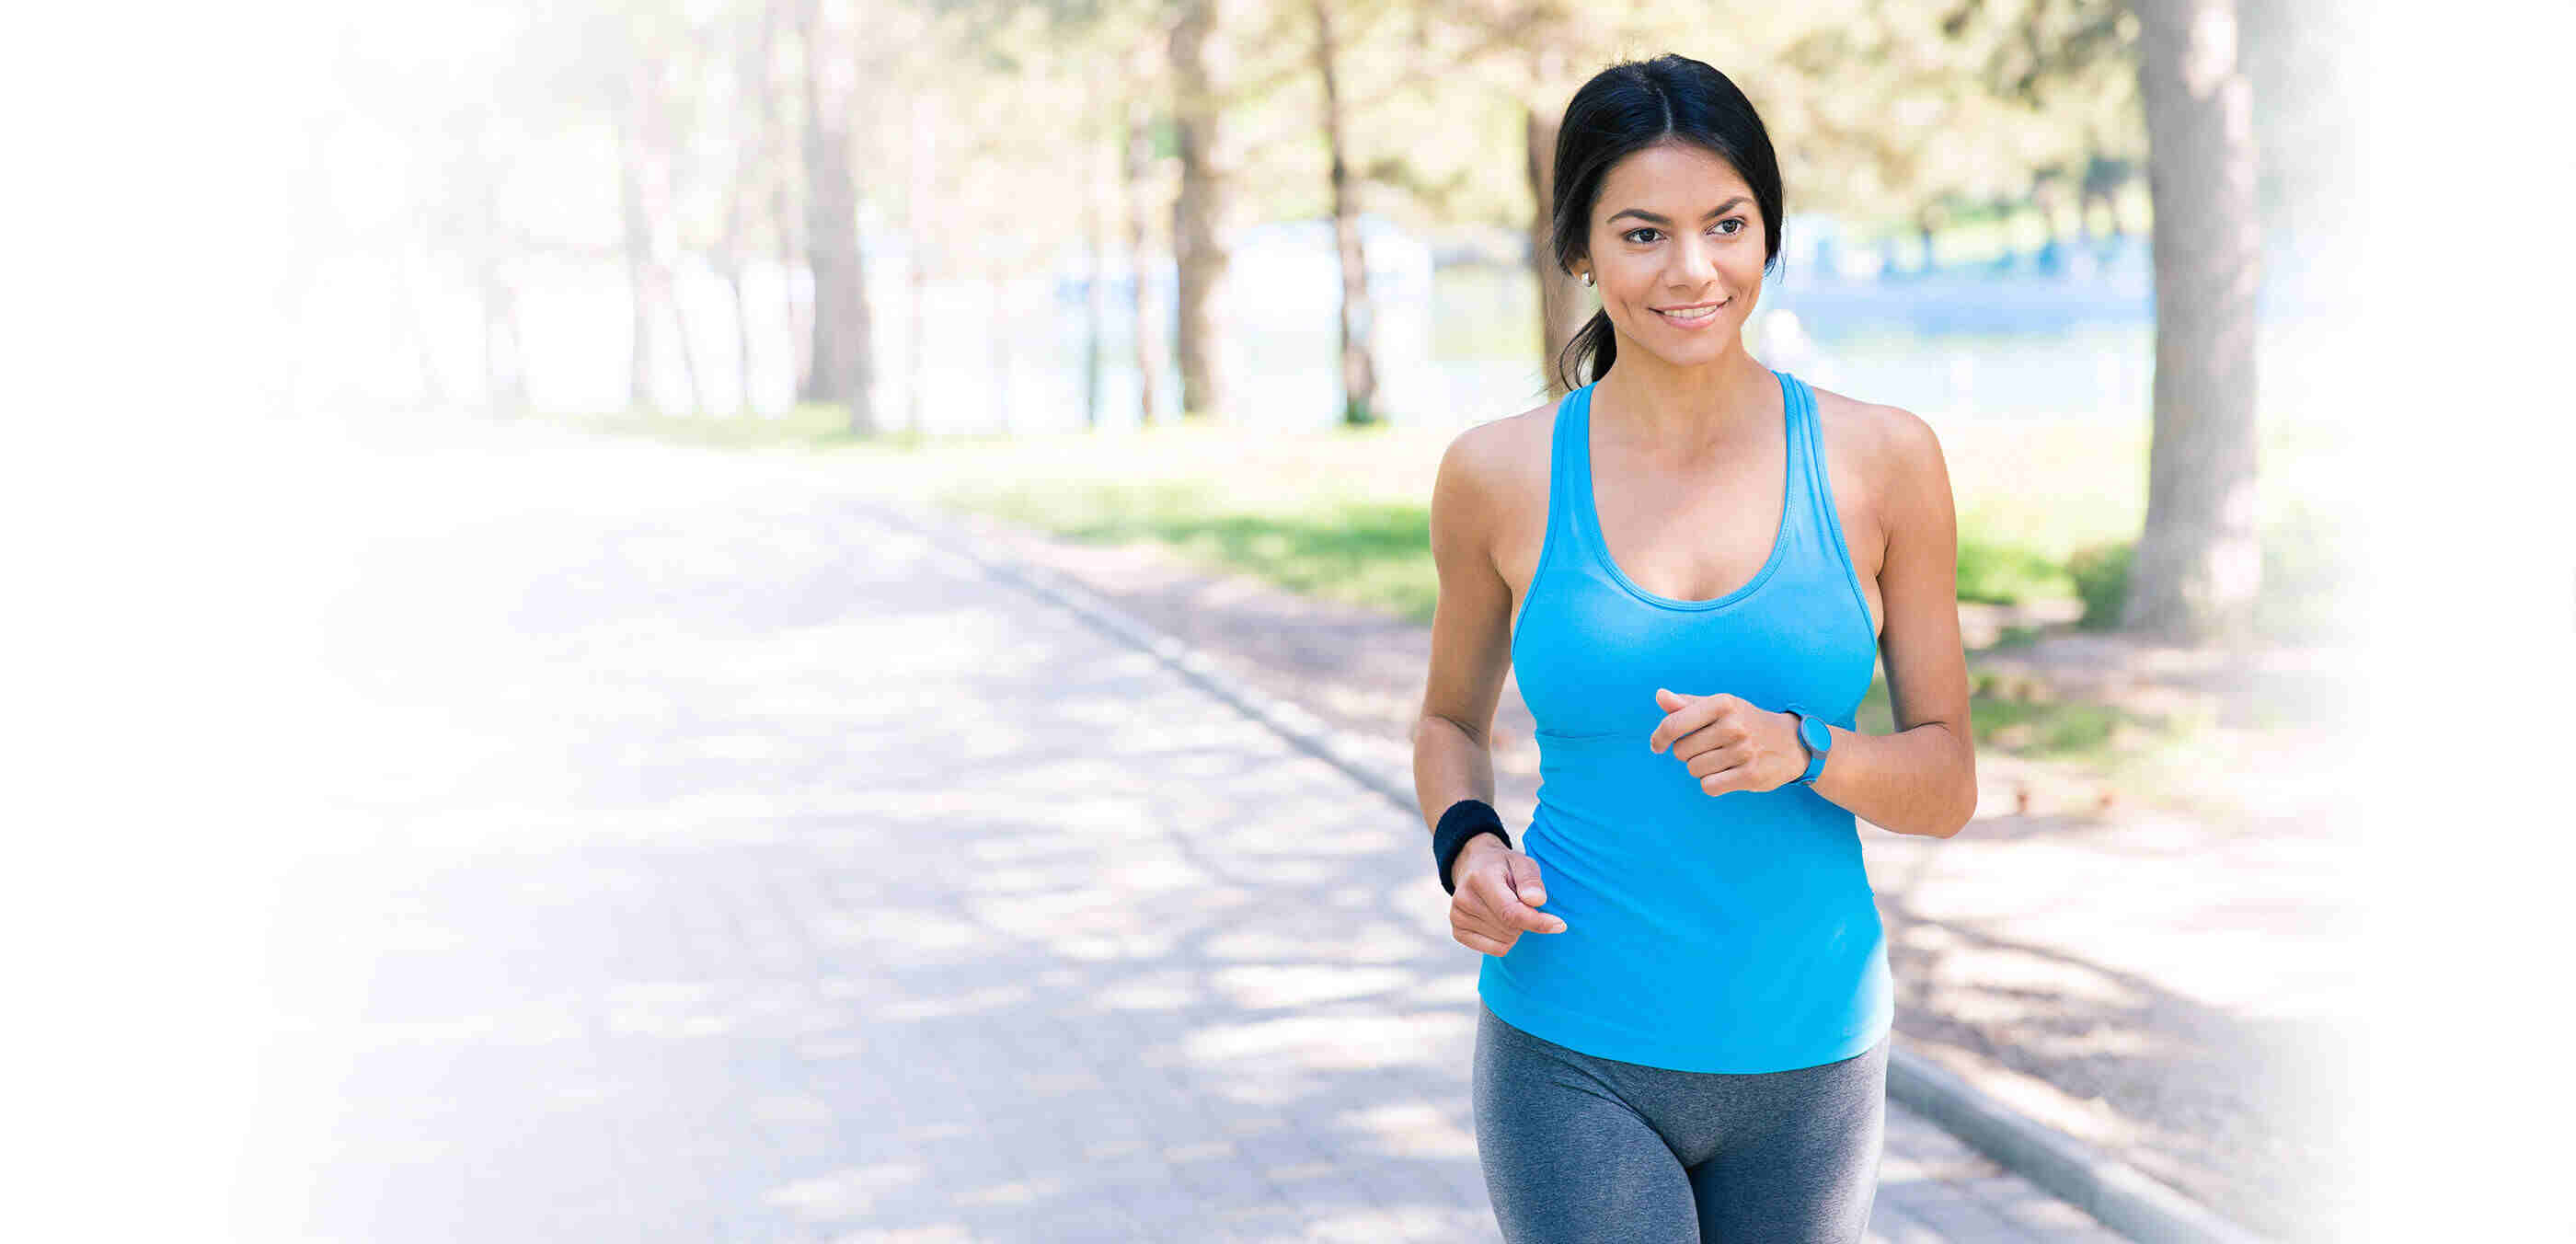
x: 1498, y: 888
x: 1923, y: 778
x: 1470, y: 631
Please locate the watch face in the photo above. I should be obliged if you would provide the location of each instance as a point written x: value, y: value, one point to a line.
x: 1813, y: 730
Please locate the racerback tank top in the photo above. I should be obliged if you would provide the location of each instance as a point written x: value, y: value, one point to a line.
x: 1723, y: 933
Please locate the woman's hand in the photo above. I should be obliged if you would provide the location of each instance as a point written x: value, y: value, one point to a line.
x: 1728, y: 743
x: 1498, y: 892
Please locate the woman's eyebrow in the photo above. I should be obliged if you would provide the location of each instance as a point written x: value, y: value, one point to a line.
x: 1653, y: 219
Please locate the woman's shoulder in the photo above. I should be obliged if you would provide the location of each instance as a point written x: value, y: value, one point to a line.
x: 1878, y: 436
x: 1506, y: 455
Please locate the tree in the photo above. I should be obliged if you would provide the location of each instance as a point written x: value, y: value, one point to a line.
x: 2199, y: 562
x: 842, y: 371
x: 1359, y: 359
x: 1198, y: 212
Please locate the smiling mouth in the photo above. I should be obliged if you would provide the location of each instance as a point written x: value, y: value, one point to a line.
x: 1695, y: 314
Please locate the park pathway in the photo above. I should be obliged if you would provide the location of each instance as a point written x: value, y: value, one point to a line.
x: 710, y: 861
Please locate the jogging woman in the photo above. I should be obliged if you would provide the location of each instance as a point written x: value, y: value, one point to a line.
x: 1692, y: 563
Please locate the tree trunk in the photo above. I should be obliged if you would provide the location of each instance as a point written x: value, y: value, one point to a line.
x: 839, y: 370
x: 1563, y: 304
x: 1359, y: 361
x: 662, y: 217
x: 1149, y: 369
x: 919, y: 167
x: 782, y: 205
x: 411, y: 326
x: 505, y: 364
x: 670, y: 290
x: 859, y: 352
x: 2199, y: 559
x: 741, y: 335
x: 1196, y: 214
x: 1095, y: 303
x: 1002, y: 315
x: 638, y: 239
x: 751, y: 51
x: 505, y: 384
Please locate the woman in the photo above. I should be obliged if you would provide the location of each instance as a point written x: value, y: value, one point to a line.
x: 1685, y: 561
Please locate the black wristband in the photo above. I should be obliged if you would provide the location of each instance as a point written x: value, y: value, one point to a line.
x: 1464, y: 820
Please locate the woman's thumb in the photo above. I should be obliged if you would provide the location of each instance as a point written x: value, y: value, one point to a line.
x: 1525, y: 880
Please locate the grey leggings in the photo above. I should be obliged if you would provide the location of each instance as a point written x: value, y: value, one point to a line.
x: 1577, y: 1148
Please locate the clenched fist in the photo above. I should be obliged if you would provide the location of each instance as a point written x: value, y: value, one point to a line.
x: 1728, y: 742
x: 1498, y: 894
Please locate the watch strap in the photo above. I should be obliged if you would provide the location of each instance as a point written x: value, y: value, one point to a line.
x: 1815, y: 754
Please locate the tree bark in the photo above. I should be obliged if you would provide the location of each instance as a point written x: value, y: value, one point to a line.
x: 782, y: 207
x: 1196, y: 215
x: 920, y: 161
x: 670, y: 288
x: 1564, y: 305
x: 638, y: 241
x: 661, y: 148
x: 1359, y: 360
x: 729, y: 258
x: 741, y: 335
x: 1149, y: 369
x: 411, y: 326
x: 1095, y: 302
x: 1000, y: 343
x: 2199, y: 561
x: 839, y: 373
x: 505, y: 362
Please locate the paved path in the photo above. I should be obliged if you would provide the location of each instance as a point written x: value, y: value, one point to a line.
x: 2195, y: 1016
x: 716, y: 864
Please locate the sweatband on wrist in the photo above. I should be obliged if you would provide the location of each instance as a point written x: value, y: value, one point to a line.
x: 1464, y: 820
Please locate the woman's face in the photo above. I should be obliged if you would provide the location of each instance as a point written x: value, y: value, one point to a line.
x: 1676, y: 230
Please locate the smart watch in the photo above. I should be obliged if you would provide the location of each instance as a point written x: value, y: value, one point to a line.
x: 1818, y: 739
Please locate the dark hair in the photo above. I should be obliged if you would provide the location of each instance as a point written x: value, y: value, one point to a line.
x: 1634, y: 105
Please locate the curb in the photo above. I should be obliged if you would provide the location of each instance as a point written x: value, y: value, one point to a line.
x: 2113, y: 1192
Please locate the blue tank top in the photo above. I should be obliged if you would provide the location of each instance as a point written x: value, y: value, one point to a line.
x: 1734, y: 932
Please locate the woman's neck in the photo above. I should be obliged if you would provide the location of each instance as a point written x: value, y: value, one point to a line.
x: 1680, y: 411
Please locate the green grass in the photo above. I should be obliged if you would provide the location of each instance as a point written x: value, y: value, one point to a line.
x: 2046, y: 510
x: 1367, y: 552
x: 2015, y: 715
x: 1377, y: 552
x: 1994, y: 571
x: 809, y: 427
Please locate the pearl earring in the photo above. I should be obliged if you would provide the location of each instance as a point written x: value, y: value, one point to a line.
x: 1587, y: 280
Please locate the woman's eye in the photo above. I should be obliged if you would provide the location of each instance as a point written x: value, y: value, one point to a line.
x: 1736, y: 223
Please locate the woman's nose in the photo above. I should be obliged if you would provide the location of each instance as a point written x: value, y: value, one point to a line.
x: 1696, y: 264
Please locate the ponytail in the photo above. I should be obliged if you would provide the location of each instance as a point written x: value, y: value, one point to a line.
x: 1596, y: 343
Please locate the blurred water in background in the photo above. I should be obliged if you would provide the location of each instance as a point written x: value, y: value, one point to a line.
x: 2061, y: 330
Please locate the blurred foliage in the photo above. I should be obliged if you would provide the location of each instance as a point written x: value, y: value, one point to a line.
x: 2022, y: 716
x: 2101, y: 576
x: 2310, y: 577
x: 1333, y: 512
x: 500, y: 124
x: 1997, y: 573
